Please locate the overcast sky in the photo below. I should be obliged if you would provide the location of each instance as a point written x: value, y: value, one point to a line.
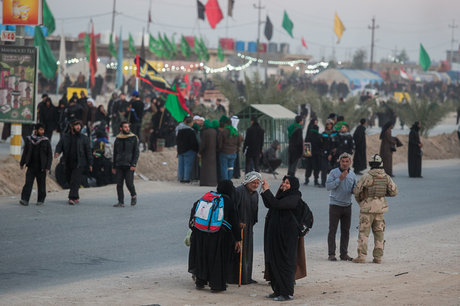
x: 403, y: 24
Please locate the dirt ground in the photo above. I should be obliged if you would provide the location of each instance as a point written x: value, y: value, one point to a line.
x: 162, y: 166
x: 407, y: 276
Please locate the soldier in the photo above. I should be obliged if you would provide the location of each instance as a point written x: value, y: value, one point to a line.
x: 370, y: 193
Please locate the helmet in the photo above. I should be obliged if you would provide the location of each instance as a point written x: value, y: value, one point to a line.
x: 375, y: 161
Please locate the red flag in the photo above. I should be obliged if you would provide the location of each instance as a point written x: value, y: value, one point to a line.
x: 304, y: 43
x: 213, y: 13
x: 92, y: 58
x: 150, y: 17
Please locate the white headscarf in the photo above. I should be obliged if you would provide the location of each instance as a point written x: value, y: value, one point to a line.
x: 235, y: 120
x: 252, y: 176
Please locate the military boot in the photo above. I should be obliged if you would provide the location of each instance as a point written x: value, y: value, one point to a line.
x: 359, y: 259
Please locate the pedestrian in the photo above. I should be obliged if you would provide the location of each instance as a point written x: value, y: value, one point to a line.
x: 313, y: 143
x: 281, y: 237
x: 125, y: 156
x: 136, y: 113
x: 236, y: 169
x: 207, y: 154
x: 415, y: 153
x: 209, y: 255
x: 370, y: 193
x: 345, y: 142
x: 228, y: 144
x: 146, y: 125
x: 252, y: 147
x: 387, y: 147
x: 187, y: 148
x: 359, y: 137
x: 37, y: 157
x: 340, y: 182
x: 247, y: 207
x: 48, y: 117
x: 328, y: 148
x: 270, y: 160
x: 295, y: 144
x: 77, y: 157
x: 101, y: 116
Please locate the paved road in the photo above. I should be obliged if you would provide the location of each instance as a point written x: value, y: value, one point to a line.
x: 58, y: 243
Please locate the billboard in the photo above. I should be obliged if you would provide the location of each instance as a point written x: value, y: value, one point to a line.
x: 18, y: 79
x: 22, y: 12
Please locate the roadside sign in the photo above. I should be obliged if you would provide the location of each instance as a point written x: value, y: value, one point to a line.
x: 8, y: 35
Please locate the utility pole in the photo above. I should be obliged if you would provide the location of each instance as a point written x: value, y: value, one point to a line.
x: 113, y: 15
x: 373, y: 27
x: 259, y: 8
x: 452, y: 41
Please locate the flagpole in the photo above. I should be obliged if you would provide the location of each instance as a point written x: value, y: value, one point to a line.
x: 113, y: 16
x: 149, y: 17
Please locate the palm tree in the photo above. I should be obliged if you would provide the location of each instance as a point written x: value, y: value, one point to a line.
x: 428, y: 112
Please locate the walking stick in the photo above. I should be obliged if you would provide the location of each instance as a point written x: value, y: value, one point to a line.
x: 241, y: 257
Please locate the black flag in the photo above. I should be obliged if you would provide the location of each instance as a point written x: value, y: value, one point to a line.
x: 200, y: 7
x: 268, y: 29
x: 148, y: 74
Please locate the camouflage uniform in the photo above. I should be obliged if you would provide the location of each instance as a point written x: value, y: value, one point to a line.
x: 370, y: 193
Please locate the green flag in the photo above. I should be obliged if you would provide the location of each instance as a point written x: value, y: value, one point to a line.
x: 112, y: 49
x: 197, y: 49
x: 173, y: 106
x: 87, y: 45
x: 287, y: 24
x: 169, y: 46
x: 424, y: 59
x: 46, y: 61
x: 220, y: 52
x: 185, y: 47
x: 165, y: 51
x: 131, y: 46
x: 204, y: 50
x: 48, y: 18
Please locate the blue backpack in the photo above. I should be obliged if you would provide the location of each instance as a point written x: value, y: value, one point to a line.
x: 209, y: 213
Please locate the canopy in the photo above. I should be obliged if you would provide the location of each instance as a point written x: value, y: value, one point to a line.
x: 354, y: 78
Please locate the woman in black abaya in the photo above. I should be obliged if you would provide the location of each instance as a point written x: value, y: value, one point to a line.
x: 281, y: 237
x: 209, y: 255
x: 415, y: 151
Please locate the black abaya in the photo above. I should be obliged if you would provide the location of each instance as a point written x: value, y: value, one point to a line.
x: 414, y: 153
x: 359, y: 159
x: 247, y: 208
x: 280, y: 240
x: 210, y: 253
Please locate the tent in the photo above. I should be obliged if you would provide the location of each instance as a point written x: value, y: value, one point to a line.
x: 354, y: 78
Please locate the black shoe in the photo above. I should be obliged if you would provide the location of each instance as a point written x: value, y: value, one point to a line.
x: 23, y: 202
x: 321, y: 186
x: 199, y: 287
x: 316, y: 183
x: 39, y: 203
x: 251, y: 281
x: 133, y: 201
x: 306, y: 182
x: 119, y: 205
x: 346, y: 258
x: 332, y: 258
x: 271, y: 296
x: 217, y: 290
x: 185, y: 181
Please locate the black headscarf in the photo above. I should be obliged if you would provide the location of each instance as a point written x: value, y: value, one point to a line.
x: 295, y: 185
x: 226, y: 187
x: 415, y: 126
x: 385, y: 128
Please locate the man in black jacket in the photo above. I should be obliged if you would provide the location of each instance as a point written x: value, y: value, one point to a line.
x: 253, y: 144
x: 77, y: 157
x: 37, y: 157
x: 136, y: 113
x: 125, y: 156
x: 187, y: 148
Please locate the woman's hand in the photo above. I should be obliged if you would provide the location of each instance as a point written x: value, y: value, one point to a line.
x: 265, y: 185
